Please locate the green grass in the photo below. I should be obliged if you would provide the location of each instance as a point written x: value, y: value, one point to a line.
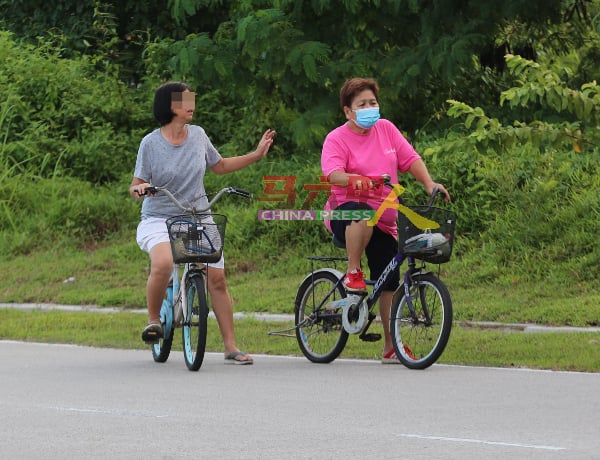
x: 114, y: 275
x: 558, y: 351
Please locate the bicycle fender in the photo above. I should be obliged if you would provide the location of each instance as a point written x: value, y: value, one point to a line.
x: 399, y: 292
x: 333, y: 271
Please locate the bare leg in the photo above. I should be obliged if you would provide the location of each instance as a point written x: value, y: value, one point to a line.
x: 385, y: 302
x: 223, y: 307
x: 358, y: 235
x: 161, y: 266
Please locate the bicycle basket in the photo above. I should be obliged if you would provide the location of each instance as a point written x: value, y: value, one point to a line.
x: 429, y: 244
x: 197, y: 238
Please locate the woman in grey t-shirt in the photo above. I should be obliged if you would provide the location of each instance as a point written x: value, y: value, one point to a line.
x: 176, y: 156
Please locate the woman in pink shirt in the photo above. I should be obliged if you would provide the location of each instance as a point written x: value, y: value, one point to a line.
x: 355, y: 155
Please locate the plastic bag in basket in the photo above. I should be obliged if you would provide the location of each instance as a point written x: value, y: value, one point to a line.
x: 428, y: 243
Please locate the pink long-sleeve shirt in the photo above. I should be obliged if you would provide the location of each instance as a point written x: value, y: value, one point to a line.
x: 382, y: 150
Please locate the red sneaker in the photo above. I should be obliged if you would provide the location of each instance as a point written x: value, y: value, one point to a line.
x: 355, y: 281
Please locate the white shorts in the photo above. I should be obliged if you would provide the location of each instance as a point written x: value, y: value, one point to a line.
x: 153, y: 230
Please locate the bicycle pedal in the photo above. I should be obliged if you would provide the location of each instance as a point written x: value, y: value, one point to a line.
x: 371, y: 337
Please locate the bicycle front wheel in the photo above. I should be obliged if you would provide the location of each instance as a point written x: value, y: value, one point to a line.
x: 319, y: 332
x: 420, y: 333
x: 195, y: 323
x: 162, y: 349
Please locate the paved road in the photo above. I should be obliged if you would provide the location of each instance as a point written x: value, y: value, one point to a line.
x: 62, y: 402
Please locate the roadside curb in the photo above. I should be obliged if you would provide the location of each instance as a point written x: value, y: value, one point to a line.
x: 281, y: 317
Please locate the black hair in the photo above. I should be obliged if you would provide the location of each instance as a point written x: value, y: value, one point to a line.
x: 162, y: 100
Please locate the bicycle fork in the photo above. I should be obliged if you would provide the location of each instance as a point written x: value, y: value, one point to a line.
x: 408, y: 282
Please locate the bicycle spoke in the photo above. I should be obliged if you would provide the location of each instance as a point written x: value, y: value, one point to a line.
x: 320, y: 335
x: 421, y: 323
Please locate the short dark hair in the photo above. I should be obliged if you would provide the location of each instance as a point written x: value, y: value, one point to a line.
x: 162, y: 100
x: 353, y: 86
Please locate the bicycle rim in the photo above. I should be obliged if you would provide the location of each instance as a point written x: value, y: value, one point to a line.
x: 194, y: 328
x: 162, y: 349
x: 320, y: 334
x: 420, y: 338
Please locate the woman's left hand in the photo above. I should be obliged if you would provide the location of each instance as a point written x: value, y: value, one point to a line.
x: 441, y: 188
x: 265, y: 143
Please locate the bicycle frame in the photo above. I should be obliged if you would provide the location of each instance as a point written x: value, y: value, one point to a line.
x: 378, y: 286
x: 176, y: 296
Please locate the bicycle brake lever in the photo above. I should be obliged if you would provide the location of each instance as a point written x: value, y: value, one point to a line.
x: 241, y: 192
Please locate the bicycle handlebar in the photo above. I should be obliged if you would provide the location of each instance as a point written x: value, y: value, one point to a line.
x: 434, y: 194
x: 236, y: 191
x: 436, y: 191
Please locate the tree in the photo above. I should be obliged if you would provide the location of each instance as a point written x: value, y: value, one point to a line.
x: 299, y: 53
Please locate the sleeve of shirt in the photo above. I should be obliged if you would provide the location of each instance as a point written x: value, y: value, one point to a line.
x: 333, y: 156
x: 143, y: 166
x: 405, y: 152
x: 212, y: 154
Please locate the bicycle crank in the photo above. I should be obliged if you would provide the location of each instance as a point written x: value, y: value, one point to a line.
x: 355, y: 315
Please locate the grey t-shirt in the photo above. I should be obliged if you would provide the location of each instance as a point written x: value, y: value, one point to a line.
x: 179, y: 168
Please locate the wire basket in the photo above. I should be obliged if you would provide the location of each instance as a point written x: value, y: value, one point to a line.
x: 197, y: 237
x: 433, y: 243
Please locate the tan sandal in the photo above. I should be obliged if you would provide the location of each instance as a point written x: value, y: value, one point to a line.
x: 233, y: 358
x: 152, y: 333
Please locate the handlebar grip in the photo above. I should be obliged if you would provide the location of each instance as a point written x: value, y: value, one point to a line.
x: 434, y: 194
x: 241, y: 192
x: 148, y: 191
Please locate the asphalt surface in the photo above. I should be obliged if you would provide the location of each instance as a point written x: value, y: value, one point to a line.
x: 62, y: 402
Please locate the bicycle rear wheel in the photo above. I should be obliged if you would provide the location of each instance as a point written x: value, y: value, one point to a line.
x: 195, y: 324
x: 162, y: 349
x: 420, y: 336
x: 319, y: 332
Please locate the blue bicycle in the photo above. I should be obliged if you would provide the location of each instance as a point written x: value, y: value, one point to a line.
x: 197, y: 238
x: 421, y: 312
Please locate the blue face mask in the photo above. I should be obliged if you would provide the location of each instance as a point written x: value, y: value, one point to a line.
x: 366, y: 118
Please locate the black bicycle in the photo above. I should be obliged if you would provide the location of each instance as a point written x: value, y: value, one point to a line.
x: 421, y: 311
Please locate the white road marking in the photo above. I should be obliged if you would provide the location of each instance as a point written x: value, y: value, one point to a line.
x: 479, y: 441
x: 88, y: 410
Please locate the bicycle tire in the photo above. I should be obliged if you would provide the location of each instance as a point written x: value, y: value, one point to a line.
x: 320, y: 335
x: 162, y: 349
x: 420, y: 339
x: 195, y: 326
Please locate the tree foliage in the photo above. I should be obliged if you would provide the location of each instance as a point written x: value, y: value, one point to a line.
x: 300, y: 52
x: 62, y: 117
x: 528, y: 183
x: 513, y: 138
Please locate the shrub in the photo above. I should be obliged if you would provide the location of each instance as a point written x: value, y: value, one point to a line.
x: 63, y: 117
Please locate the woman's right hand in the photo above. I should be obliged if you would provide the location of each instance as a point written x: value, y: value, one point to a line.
x: 360, y: 183
x: 138, y: 190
